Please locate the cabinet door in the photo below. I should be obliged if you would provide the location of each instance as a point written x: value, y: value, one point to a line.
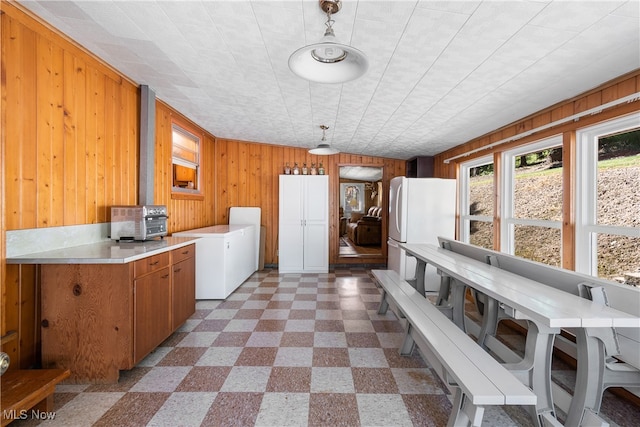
x: 86, y: 320
x: 152, y: 307
x: 316, y: 223
x: 184, y: 291
x: 290, y: 232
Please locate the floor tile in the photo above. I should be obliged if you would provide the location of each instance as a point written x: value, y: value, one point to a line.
x: 183, y: 409
x: 332, y: 380
x: 383, y: 410
x: 294, y: 356
x: 233, y: 409
x: 219, y: 356
x: 247, y: 379
x: 331, y: 409
x: 284, y: 409
x: 133, y: 409
x: 374, y: 380
x: 161, y: 379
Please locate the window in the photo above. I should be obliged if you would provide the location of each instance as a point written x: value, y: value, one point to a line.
x: 185, y: 160
x: 532, y: 204
x: 476, y: 202
x: 607, y: 215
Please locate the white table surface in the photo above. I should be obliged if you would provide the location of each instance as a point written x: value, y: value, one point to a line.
x: 550, y: 306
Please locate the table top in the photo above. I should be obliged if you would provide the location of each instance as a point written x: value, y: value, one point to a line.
x: 544, y: 304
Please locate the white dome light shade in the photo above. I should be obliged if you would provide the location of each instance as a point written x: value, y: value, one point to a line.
x: 323, y: 150
x: 329, y: 68
x: 328, y: 61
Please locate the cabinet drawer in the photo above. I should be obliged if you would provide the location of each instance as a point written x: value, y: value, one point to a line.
x: 183, y: 253
x: 152, y: 263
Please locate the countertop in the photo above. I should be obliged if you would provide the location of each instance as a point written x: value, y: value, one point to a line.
x: 105, y: 252
x: 214, y: 230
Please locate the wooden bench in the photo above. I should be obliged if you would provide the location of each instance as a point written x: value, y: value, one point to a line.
x: 23, y: 391
x: 474, y: 377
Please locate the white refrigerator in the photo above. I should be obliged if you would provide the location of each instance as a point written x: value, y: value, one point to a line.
x: 420, y: 210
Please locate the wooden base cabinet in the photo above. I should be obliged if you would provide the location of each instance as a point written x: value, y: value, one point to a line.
x: 98, y: 319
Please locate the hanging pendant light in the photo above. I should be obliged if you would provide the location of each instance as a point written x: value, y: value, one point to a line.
x: 329, y: 61
x: 324, y: 149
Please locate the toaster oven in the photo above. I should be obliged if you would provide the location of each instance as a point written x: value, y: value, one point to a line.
x: 141, y: 222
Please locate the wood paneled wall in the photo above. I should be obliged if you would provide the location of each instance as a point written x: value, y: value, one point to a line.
x: 69, y: 150
x: 247, y: 175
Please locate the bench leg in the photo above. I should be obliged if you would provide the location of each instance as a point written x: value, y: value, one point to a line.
x: 589, y: 377
x: 445, y: 290
x: 464, y: 413
x: 457, y: 296
x: 420, y: 271
x: 490, y: 320
x: 535, y: 368
x: 384, y: 304
x: 408, y: 343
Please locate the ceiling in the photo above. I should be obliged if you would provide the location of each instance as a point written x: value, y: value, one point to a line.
x: 441, y: 72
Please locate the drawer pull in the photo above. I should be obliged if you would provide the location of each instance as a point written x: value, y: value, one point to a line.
x: 177, y: 270
x: 45, y: 323
x: 185, y: 252
x: 154, y: 263
x: 77, y: 289
x: 165, y: 276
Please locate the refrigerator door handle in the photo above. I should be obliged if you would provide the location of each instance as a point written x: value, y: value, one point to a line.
x: 392, y: 243
x: 397, y: 211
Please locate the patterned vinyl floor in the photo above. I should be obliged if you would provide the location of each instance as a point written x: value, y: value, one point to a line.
x: 286, y: 350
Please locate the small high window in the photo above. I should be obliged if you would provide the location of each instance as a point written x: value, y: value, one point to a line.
x: 185, y: 160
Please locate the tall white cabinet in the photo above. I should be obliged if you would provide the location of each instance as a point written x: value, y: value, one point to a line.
x: 304, y: 224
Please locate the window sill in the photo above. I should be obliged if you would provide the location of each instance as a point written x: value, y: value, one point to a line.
x: 179, y: 195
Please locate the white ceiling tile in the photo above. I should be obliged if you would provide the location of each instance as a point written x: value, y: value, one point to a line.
x: 441, y: 72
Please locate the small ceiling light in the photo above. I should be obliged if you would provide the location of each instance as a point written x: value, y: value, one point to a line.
x: 323, y: 149
x: 329, y: 61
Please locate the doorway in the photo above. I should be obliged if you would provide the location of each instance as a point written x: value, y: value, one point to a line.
x: 360, y: 212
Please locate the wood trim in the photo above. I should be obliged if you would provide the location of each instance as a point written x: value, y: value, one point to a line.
x: 497, y: 197
x: 610, y: 91
x: 569, y: 189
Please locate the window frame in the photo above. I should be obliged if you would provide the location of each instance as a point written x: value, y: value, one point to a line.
x: 507, y: 185
x: 465, y: 217
x: 587, y: 228
x: 188, y: 131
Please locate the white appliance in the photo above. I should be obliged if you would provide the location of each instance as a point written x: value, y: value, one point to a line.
x: 225, y: 258
x: 420, y: 210
x: 240, y: 215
